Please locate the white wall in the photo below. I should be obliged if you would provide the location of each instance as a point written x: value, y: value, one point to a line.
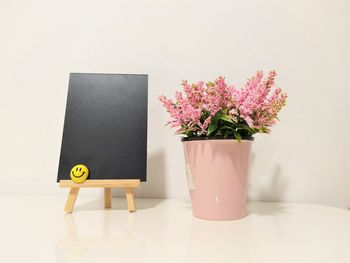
x: 306, y: 158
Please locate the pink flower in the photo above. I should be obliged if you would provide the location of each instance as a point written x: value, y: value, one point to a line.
x: 254, y: 105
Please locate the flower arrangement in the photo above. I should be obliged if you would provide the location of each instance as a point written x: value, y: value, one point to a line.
x: 218, y: 109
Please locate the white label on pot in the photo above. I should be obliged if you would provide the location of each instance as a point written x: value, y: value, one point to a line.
x: 190, y: 182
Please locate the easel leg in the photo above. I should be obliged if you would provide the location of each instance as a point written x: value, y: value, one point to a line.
x: 108, y: 197
x: 73, y: 193
x: 130, y: 199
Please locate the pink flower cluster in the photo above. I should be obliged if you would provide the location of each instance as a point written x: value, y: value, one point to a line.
x: 255, y: 106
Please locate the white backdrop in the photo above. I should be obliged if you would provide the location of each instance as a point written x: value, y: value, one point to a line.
x: 305, y: 159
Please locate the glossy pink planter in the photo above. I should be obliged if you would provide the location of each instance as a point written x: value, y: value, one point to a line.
x: 217, y: 171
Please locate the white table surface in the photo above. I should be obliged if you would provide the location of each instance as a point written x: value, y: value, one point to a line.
x: 35, y: 229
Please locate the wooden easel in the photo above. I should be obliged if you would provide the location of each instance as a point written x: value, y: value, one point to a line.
x: 127, y: 184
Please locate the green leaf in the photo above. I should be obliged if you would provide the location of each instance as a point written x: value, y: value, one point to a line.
x: 205, y: 114
x: 225, y: 111
x: 189, y: 133
x: 224, y: 117
x: 212, y: 127
x: 238, y: 136
x: 219, y: 132
x: 218, y: 121
x: 245, y: 129
x: 227, y: 128
x: 227, y: 133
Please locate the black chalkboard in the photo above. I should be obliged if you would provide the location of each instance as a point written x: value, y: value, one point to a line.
x: 105, y: 126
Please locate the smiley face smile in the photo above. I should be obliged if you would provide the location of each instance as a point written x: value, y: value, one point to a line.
x: 77, y: 175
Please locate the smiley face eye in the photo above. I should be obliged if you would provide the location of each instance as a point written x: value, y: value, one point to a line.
x: 80, y: 169
x: 76, y: 169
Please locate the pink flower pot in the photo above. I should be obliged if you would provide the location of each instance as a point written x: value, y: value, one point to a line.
x: 217, y: 171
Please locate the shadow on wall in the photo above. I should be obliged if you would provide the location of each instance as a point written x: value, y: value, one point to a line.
x: 274, y: 187
x: 273, y: 190
x: 155, y: 187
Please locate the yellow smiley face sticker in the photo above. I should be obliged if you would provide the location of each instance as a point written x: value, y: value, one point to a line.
x: 79, y: 173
